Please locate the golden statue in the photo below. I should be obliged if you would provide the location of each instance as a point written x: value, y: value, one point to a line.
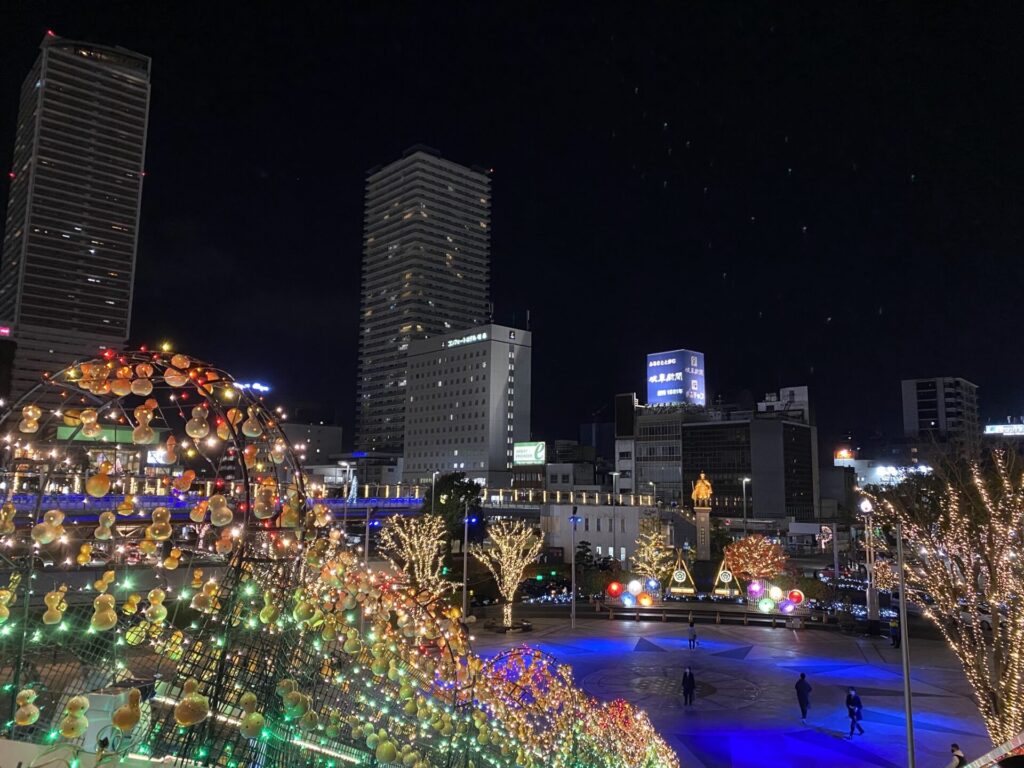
x: 701, y: 492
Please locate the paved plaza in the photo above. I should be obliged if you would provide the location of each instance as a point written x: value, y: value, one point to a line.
x: 746, y: 714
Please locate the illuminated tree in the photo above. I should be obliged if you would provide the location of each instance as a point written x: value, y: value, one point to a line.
x: 449, y: 497
x: 755, y: 557
x: 886, y: 577
x: 964, y: 534
x: 416, y: 546
x: 514, y: 545
x: 653, y: 558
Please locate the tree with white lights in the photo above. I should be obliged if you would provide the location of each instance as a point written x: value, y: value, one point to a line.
x: 964, y: 527
x: 514, y: 546
x: 416, y: 546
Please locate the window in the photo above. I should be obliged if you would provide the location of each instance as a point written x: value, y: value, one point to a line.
x: 625, y: 455
x: 598, y: 550
x: 599, y: 524
x: 586, y: 523
x: 554, y: 479
x: 565, y: 478
x: 622, y: 554
x: 622, y: 523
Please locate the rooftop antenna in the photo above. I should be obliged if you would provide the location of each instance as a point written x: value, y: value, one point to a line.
x: 527, y: 319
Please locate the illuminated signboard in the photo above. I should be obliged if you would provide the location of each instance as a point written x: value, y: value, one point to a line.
x: 676, y: 377
x: 255, y: 386
x: 470, y: 339
x: 1005, y: 429
x: 5, y: 330
x: 529, y: 454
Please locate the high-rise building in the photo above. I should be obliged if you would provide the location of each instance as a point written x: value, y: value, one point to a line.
x: 73, y: 212
x: 942, y: 412
x: 426, y: 271
x: 467, y: 404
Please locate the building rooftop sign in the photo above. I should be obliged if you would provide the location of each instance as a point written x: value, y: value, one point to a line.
x: 1008, y: 430
x: 470, y: 339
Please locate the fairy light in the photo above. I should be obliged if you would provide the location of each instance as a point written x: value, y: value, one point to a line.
x: 653, y: 557
x: 966, y: 529
x: 514, y: 546
x: 755, y: 557
x: 416, y: 547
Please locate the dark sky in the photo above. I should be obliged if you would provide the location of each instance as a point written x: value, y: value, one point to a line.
x: 822, y: 194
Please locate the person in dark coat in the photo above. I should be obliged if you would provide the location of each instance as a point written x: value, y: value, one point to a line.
x: 958, y: 760
x: 803, y: 696
x: 689, y: 686
x: 855, y: 711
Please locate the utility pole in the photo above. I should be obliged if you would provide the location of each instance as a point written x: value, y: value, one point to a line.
x: 572, y: 600
x: 908, y: 710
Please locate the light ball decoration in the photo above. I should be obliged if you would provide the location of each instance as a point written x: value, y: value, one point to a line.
x: 634, y: 587
x: 787, y: 606
x: 628, y: 600
x: 775, y: 593
x: 614, y: 589
x: 766, y: 605
x: 369, y: 666
x: 796, y: 596
x: 652, y: 585
x: 645, y: 600
x: 755, y: 588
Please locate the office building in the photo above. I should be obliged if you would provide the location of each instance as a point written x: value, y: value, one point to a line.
x: 315, y: 443
x: 426, y: 272
x: 662, y: 449
x: 73, y: 213
x: 467, y: 403
x: 942, y: 413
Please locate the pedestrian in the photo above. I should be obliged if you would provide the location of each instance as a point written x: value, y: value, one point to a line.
x: 689, y: 686
x: 693, y: 635
x: 803, y: 696
x: 855, y: 710
x: 958, y: 760
x: 894, y: 632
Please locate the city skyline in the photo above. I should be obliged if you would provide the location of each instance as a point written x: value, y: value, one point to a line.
x: 712, y: 192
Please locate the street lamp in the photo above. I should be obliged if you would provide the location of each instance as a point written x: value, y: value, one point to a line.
x: 871, y: 594
x: 654, y: 491
x: 905, y: 648
x: 433, y: 489
x: 466, y: 520
x: 745, y: 481
x: 574, y: 519
x: 615, y: 494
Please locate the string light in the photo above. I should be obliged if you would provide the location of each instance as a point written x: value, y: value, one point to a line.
x: 514, y: 546
x: 755, y: 557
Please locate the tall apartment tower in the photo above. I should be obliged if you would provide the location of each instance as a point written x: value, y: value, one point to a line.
x: 942, y: 411
x: 73, y: 211
x: 426, y: 271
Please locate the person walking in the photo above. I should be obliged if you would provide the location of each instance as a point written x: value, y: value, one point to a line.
x: 958, y: 760
x: 803, y: 696
x: 693, y: 635
x: 894, y: 632
x: 855, y: 711
x: 689, y: 686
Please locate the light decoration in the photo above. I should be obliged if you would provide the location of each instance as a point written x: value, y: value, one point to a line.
x: 645, y: 600
x: 634, y: 587
x: 766, y: 605
x: 416, y: 546
x: 653, y: 558
x: 514, y: 546
x: 273, y: 663
x: 885, y: 575
x: 964, y: 533
x: 754, y: 557
x: 614, y: 589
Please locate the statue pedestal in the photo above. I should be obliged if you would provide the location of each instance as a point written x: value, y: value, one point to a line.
x: 703, y: 520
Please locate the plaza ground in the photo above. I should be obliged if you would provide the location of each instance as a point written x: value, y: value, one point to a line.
x: 746, y: 713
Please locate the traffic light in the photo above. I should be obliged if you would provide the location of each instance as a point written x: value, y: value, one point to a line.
x: 540, y: 577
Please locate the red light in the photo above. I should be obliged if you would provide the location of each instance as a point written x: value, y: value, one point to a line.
x: 796, y: 596
x: 614, y: 589
x: 12, y: 175
x: 50, y: 33
x: 108, y: 354
x: 142, y: 348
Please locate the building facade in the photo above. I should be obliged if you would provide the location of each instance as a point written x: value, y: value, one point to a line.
x: 774, y: 447
x: 426, y: 272
x: 467, y: 403
x: 316, y: 443
x: 72, y: 223
x: 942, y: 411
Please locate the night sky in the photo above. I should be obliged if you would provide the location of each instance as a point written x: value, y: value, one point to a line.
x: 809, y: 195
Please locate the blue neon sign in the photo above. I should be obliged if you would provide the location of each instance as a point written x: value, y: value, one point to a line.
x: 676, y: 377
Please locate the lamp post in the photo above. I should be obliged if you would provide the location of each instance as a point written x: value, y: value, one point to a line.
x: 465, y: 560
x: 905, y: 649
x: 615, y: 494
x: 871, y: 594
x: 433, y: 489
x: 574, y: 519
x: 654, y: 491
x: 745, y: 481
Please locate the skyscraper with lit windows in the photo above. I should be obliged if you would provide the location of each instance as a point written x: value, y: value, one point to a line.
x: 426, y: 271
x: 73, y: 211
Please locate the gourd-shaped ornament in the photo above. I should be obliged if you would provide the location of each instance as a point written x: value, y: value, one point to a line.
x: 193, y: 707
x: 225, y: 542
x: 51, y: 529
x: 127, y: 717
x: 198, y: 427
x: 263, y: 504
x: 30, y: 416
x: 160, y: 530
x: 183, y: 483
x: 104, y: 531
x: 27, y: 712
x: 198, y: 512
x: 251, y: 725
x: 131, y: 604
x: 220, y: 512
x: 6, y: 595
x: 156, y: 612
x: 75, y: 722
x: 175, y: 377
x: 7, y: 513
x: 270, y: 612
x: 122, y: 383
x: 144, y: 434
x: 104, y: 616
x: 173, y: 560
x: 90, y: 422
x: 55, y: 605
x: 251, y: 426
x: 143, y: 385
x: 84, y: 555
x: 180, y: 361
x: 98, y: 485
x: 206, y: 600
x: 126, y: 506
x: 102, y: 584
